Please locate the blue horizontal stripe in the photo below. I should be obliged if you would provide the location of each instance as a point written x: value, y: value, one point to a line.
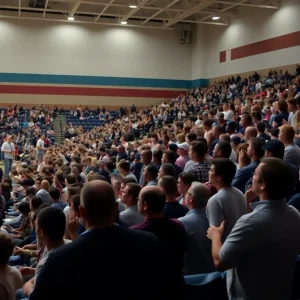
x: 199, y: 83
x: 100, y: 80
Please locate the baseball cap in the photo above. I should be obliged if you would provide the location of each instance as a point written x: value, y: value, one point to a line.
x: 235, y: 139
x: 185, y: 146
x: 173, y: 147
x: 276, y: 147
x: 137, y: 156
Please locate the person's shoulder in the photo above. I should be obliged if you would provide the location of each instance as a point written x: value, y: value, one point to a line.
x: 233, y: 190
x: 176, y: 223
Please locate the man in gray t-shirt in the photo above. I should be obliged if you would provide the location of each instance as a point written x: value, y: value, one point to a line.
x: 229, y: 204
x: 263, y: 246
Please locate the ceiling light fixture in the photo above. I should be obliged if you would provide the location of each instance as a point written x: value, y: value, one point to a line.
x: 123, y: 22
x: 216, y: 18
x: 132, y: 6
x: 70, y: 18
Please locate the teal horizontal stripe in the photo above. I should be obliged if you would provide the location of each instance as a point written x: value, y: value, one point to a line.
x: 199, y: 83
x: 93, y: 80
x: 100, y: 80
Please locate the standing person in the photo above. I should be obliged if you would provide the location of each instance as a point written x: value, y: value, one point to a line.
x: 261, y: 237
x: 40, y: 149
x: 228, y: 204
x: 8, y: 148
x: 101, y: 244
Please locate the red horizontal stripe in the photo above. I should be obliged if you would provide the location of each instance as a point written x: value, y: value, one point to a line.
x: 86, y: 91
x: 274, y: 44
x: 222, y: 56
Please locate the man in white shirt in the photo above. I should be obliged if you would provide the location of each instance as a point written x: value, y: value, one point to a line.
x: 8, y: 148
x: 40, y: 148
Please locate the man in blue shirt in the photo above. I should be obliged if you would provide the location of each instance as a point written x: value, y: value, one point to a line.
x: 255, y: 152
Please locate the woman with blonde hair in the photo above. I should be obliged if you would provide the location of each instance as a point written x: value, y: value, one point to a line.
x: 44, y: 192
x: 180, y: 138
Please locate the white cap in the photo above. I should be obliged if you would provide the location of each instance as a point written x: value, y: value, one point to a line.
x: 185, y: 146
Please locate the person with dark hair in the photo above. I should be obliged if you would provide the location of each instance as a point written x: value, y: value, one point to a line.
x: 198, y: 259
x: 255, y: 152
x: 228, y: 204
x: 150, y: 175
x: 222, y: 150
x: 275, y: 148
x: 156, y: 158
x: 10, y: 277
x: 166, y: 169
x: 24, y: 230
x: 216, y: 132
x: 191, y: 137
x: 172, y: 208
x: 169, y: 157
x: 101, y: 244
x: 146, y: 158
x: 260, y: 238
x: 184, y: 182
x: 129, y: 197
x: 55, y: 198
x: 50, y: 228
x: 124, y: 169
x: 261, y: 127
x: 197, y: 153
x: 170, y: 231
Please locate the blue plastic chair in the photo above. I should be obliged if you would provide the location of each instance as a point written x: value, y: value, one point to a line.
x: 14, y: 260
x: 210, y: 286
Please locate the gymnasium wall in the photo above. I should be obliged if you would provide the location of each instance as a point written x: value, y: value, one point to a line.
x: 254, y: 40
x: 73, y: 63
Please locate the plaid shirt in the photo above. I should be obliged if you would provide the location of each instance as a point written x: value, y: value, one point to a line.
x: 200, y: 170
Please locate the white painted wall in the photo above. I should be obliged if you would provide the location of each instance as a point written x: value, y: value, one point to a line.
x: 252, y: 27
x: 41, y: 47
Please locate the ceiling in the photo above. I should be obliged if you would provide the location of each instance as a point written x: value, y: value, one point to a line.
x: 163, y: 14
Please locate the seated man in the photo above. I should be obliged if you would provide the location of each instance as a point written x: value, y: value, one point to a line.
x: 50, y: 228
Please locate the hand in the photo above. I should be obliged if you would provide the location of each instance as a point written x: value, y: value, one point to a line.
x: 214, y: 231
x: 28, y: 288
x: 73, y: 224
x: 19, y: 251
x: 250, y: 195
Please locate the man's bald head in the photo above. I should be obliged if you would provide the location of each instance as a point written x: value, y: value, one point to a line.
x: 154, y: 197
x: 200, y: 193
x: 98, y: 201
x: 250, y: 132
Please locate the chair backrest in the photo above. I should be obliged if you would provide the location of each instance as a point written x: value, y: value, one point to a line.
x: 210, y: 286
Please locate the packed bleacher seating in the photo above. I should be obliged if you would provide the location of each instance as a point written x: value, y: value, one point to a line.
x: 196, y: 197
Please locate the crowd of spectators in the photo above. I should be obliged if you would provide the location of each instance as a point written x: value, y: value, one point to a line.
x: 25, y: 127
x: 201, y: 184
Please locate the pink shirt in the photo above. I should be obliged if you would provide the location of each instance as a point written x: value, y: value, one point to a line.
x: 181, y: 161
